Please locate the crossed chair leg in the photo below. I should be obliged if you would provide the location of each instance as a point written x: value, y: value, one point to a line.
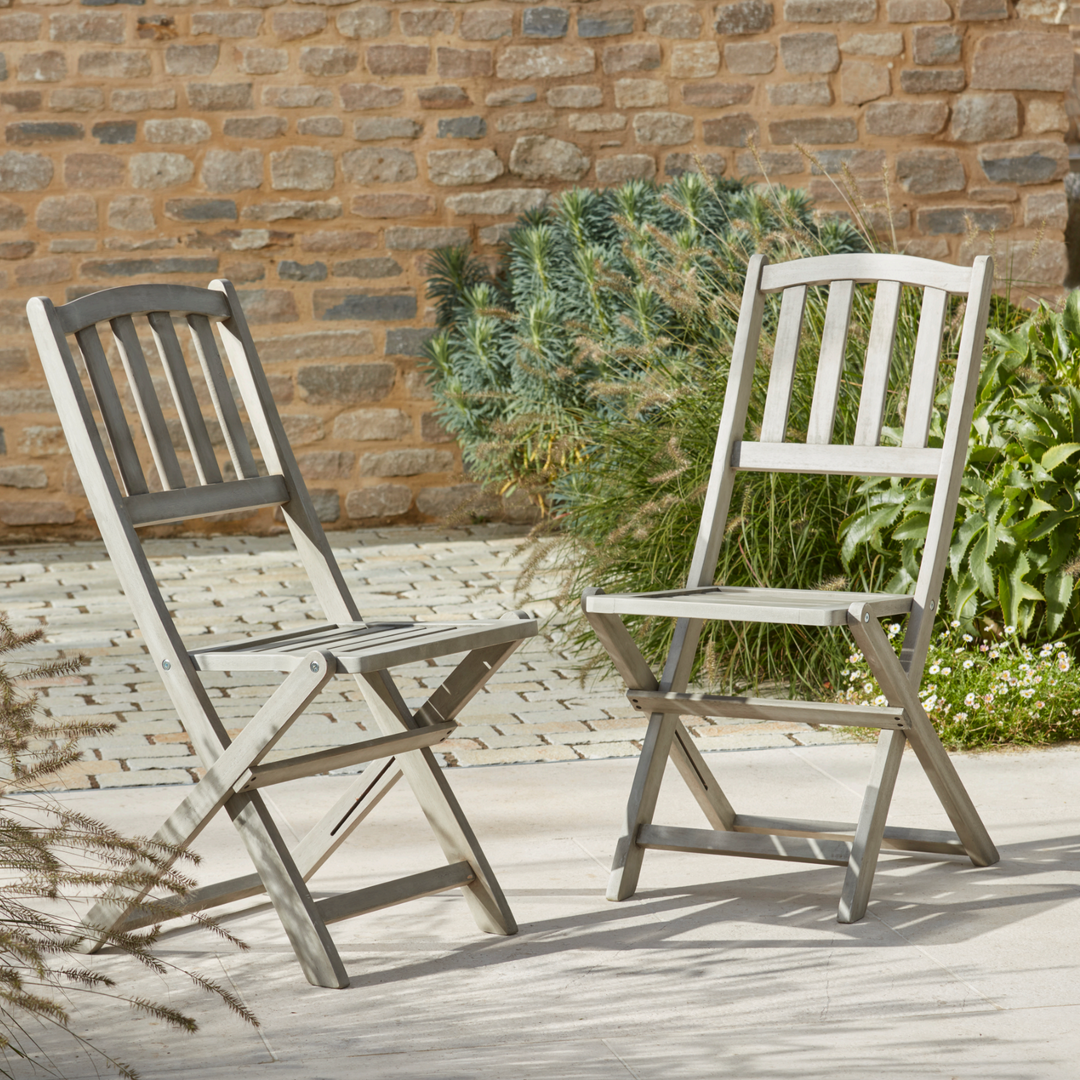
x: 855, y: 846
x: 232, y: 781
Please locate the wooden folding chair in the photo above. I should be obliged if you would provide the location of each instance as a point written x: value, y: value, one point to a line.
x: 121, y: 500
x: 903, y: 719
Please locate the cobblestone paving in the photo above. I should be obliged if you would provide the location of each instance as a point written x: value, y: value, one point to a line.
x: 533, y: 709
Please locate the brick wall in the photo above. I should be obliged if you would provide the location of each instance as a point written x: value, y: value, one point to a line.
x: 315, y: 153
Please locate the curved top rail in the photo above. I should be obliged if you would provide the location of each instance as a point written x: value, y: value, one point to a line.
x: 140, y: 300
x: 867, y: 266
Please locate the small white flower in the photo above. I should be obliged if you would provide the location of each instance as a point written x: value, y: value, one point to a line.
x: 894, y: 628
x: 1040, y: 704
x: 868, y: 687
x: 969, y: 700
x: 955, y: 623
x: 946, y: 671
x: 967, y: 637
x: 934, y: 669
x: 1026, y: 693
x: 1010, y: 629
x: 969, y: 663
x: 930, y: 703
x: 881, y: 699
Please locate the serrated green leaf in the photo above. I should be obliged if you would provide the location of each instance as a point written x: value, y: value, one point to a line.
x: 979, y: 564
x: 968, y: 529
x: 1057, y: 455
x: 913, y: 527
x: 1058, y: 590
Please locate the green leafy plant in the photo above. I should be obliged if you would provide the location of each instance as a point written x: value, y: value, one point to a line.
x: 54, y: 859
x: 983, y: 692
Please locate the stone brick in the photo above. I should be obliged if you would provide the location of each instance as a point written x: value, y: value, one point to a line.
x: 393, y: 206
x: 294, y: 25
x: 23, y: 476
x: 638, y: 57
x: 640, y: 93
x: 731, y: 130
x: 268, y: 305
x: 16, y: 249
x: 91, y: 171
x: 43, y: 272
x: 345, y: 384
x: 28, y: 132
x: 407, y: 341
x: 463, y: 127
x: 134, y: 268
x: 215, y: 97
x: 1022, y: 60
x: 302, y: 168
x: 36, y: 512
x: 932, y: 80
x: 814, y: 131
x: 936, y: 45
x: 426, y: 22
x: 382, y: 166
x: 710, y: 164
x: 531, y: 120
x: 442, y: 97
x: 78, y: 99
x: 385, y: 127
x: 12, y: 216
x: 357, y: 97
x: 406, y: 462
x: 785, y: 95
x: 1046, y: 209
x: 114, y: 132
x: 984, y: 118
x: 67, y: 213
x: 432, y: 431
x: 176, y: 131
x: 23, y: 26
x: 830, y: 11
x: 131, y: 212
x: 21, y: 171
x: 336, y: 304
x: 442, y: 502
x: 232, y: 170
x: 372, y: 425
x: 22, y: 100
x: 873, y: 45
x: 398, y: 59
x: 930, y: 172
x: 862, y: 81
x: 596, y: 121
x: 191, y: 59
x: 695, y: 61
x: 364, y: 22
x: 50, y: 66
x: 486, y: 25
x: 258, y: 60
x: 326, y: 464
x: 327, y: 60
x: 899, y: 118
x: 750, y: 57
x: 1026, y: 161
x: 162, y: 97
x: 927, y: 248
x: 993, y: 194
x: 254, y: 127
x: 612, y: 23
x: 745, y: 17
x: 338, y: 240
x: 717, y: 95
x: 936, y: 220
x: 909, y: 11
x: 301, y: 429
x: 114, y: 64
x: 226, y: 24
x: 202, y: 209
x: 87, y: 26
x: 982, y: 10
x: 320, y: 125
x: 673, y: 20
x: 295, y: 209
x: 545, y: 22
x: 577, y: 97
x: 463, y: 63
x: 803, y: 54
x: 318, y: 345
x: 663, y: 129
x: 770, y: 163
x: 39, y: 440
x: 1043, y: 116
x: 450, y: 168
x: 544, y: 61
x: 407, y: 238
x: 539, y: 157
x: 368, y: 269
x: 298, y: 97
x: 382, y: 500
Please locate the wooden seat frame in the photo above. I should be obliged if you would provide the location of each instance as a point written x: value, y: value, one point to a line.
x: 235, y: 768
x: 903, y: 720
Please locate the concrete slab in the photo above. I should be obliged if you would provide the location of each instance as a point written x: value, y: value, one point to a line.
x: 716, y: 968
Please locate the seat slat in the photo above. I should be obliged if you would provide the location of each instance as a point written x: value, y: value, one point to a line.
x: 112, y: 412
x: 837, y: 460
x: 162, y: 507
x: 746, y: 845
x: 187, y: 404
x: 879, y: 352
x: 782, y: 372
x: 834, y: 337
x: 924, y: 367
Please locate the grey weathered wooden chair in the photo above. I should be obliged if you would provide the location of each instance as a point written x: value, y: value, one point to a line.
x: 343, y: 643
x: 903, y: 720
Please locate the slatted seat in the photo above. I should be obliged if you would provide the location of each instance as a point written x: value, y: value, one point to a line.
x: 137, y: 476
x: 902, y: 720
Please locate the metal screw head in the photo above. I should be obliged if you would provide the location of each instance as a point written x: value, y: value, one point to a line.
x: 866, y: 617
x: 314, y: 665
x: 933, y: 604
x: 166, y: 665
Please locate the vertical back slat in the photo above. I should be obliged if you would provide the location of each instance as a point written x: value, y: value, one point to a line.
x: 146, y: 401
x: 878, y: 360
x: 924, y: 367
x: 191, y: 418
x: 112, y: 412
x: 782, y: 374
x: 830, y: 363
x: 202, y: 334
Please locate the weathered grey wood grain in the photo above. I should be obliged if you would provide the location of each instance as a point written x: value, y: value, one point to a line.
x: 782, y: 370
x: 924, y: 367
x: 747, y: 845
x: 834, y: 336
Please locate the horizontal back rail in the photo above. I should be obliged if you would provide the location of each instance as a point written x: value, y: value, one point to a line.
x: 162, y: 507
x: 139, y: 300
x: 866, y: 267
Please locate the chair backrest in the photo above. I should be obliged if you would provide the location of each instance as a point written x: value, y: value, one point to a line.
x: 169, y: 391
x: 864, y: 455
